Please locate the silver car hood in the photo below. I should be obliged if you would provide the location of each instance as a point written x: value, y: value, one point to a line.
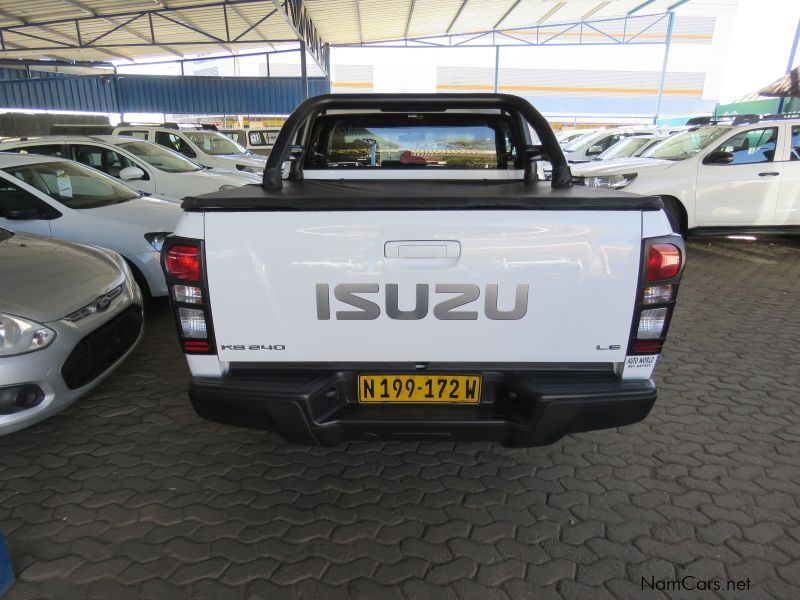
x: 151, y: 212
x: 46, y: 279
x: 249, y: 160
x: 621, y: 166
x: 225, y: 176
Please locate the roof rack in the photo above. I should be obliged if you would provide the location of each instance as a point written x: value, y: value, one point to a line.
x: 700, y: 121
x: 781, y: 116
x: 745, y: 119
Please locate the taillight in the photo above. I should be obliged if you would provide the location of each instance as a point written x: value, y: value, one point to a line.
x: 183, y: 262
x: 184, y: 268
x: 663, y: 261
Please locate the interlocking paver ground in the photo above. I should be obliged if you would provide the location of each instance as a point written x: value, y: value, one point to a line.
x: 128, y: 494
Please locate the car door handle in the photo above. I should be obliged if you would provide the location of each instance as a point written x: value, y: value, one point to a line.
x: 769, y: 174
x: 422, y: 249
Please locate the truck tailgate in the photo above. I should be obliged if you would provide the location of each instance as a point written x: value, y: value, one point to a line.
x: 545, y: 286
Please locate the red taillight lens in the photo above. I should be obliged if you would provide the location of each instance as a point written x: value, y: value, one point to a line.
x: 648, y: 347
x: 663, y: 262
x: 183, y: 262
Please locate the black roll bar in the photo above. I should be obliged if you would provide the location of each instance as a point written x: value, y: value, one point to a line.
x: 561, y: 176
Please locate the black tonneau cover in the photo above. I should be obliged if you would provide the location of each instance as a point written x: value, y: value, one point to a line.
x: 404, y: 194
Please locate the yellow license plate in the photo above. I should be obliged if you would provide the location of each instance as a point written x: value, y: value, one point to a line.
x: 453, y: 389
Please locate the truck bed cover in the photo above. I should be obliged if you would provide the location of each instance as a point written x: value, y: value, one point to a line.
x: 404, y: 194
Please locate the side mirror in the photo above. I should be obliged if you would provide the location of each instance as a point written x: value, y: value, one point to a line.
x: 718, y: 157
x: 131, y: 173
x: 594, y: 150
x: 22, y: 214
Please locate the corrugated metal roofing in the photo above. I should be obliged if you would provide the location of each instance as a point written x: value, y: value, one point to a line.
x: 142, y: 93
x: 139, y: 29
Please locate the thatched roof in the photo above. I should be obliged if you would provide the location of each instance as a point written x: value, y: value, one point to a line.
x: 787, y: 86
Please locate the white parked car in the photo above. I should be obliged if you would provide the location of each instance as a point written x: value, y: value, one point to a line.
x: 585, y: 148
x: 69, y: 315
x: 635, y: 145
x: 205, y: 146
x: 566, y: 136
x: 64, y: 199
x: 144, y: 166
x: 257, y: 140
x: 716, y: 178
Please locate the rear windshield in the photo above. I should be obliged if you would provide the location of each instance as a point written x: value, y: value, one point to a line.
x: 412, y: 142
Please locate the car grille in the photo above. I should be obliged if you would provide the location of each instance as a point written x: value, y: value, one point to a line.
x: 102, y: 348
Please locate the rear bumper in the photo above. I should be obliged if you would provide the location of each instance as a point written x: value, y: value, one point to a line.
x: 518, y: 408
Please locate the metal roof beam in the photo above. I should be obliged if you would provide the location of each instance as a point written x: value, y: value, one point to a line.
x: 254, y: 25
x: 410, y: 14
x: 296, y: 16
x: 598, y: 7
x: 164, y: 11
x: 676, y: 5
x: 192, y: 25
x: 551, y: 12
x: 50, y: 30
x: 358, y: 18
x: 458, y: 14
x: 250, y: 22
x: 639, y: 7
x: 531, y: 34
x: 505, y: 15
x: 89, y: 11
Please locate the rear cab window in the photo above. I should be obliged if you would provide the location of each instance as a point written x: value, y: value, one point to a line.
x: 414, y: 141
x: 43, y: 149
x: 142, y: 135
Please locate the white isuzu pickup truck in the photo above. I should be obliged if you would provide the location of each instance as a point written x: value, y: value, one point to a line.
x: 402, y: 274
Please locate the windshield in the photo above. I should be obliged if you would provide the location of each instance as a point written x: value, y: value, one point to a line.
x: 74, y: 185
x: 421, y: 141
x: 686, y: 144
x: 583, y: 140
x: 160, y: 157
x: 214, y: 143
x: 624, y: 148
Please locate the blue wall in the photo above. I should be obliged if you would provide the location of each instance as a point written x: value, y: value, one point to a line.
x: 209, y: 95
x: 143, y: 93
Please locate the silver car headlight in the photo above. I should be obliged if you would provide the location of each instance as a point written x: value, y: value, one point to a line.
x: 614, y: 182
x: 18, y: 335
x: 156, y: 239
x: 254, y: 170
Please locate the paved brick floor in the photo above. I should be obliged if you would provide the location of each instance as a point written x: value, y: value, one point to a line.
x: 129, y: 495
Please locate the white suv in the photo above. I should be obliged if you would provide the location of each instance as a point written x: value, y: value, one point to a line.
x: 716, y: 178
x: 203, y: 145
x: 587, y: 147
x: 142, y: 165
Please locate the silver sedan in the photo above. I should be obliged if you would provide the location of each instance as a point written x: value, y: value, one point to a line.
x: 69, y: 315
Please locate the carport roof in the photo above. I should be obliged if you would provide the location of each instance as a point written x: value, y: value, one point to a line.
x: 102, y: 30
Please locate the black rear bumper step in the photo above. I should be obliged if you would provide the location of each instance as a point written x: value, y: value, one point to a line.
x: 517, y: 408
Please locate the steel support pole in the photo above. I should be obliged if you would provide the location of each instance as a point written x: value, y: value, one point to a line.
x: 327, y: 62
x: 303, y: 69
x: 496, y: 67
x: 670, y: 21
x: 791, y: 62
